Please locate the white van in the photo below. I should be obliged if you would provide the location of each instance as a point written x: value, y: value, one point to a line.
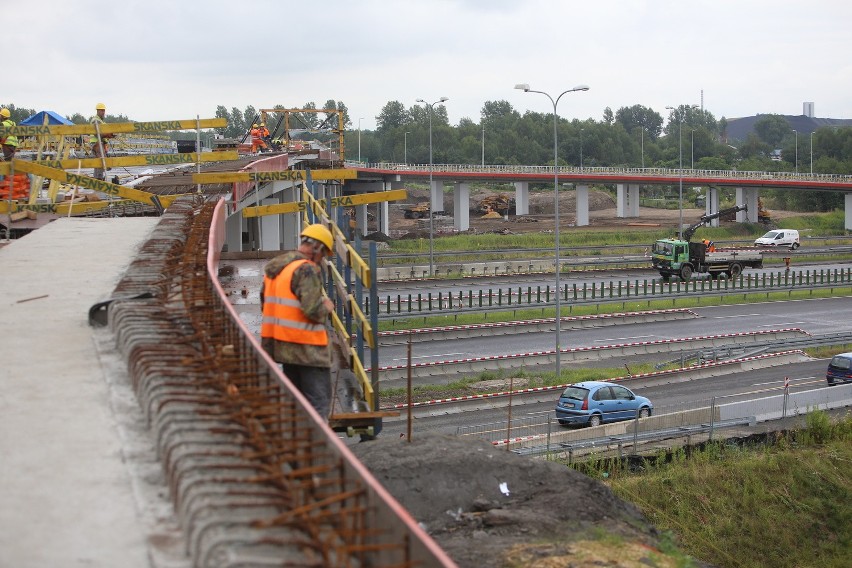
x: 779, y: 238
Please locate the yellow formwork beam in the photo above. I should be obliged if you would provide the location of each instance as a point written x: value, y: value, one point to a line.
x: 92, y: 183
x: 283, y: 175
x: 113, y: 127
x: 128, y: 161
x: 62, y: 208
x: 365, y: 198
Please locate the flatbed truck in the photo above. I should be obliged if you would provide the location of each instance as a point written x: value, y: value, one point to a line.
x: 682, y: 258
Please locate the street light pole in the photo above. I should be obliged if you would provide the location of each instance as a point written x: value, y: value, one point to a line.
x: 692, y: 148
x: 581, y: 149
x: 483, y: 146
x: 680, y: 159
x: 642, y: 141
x: 359, y: 138
x: 526, y: 88
x: 812, y: 153
x: 431, y: 203
x: 796, y: 132
x: 405, y: 147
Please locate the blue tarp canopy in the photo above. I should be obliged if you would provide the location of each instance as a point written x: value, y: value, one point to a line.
x: 38, y: 119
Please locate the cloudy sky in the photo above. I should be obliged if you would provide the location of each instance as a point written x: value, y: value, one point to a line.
x: 176, y: 59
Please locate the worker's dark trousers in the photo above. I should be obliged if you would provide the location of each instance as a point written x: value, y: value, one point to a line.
x: 314, y: 383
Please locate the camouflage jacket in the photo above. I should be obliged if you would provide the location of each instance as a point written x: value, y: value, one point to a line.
x: 307, y: 285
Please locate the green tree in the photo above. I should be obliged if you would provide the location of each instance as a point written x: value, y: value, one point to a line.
x: 772, y: 129
x: 392, y: 115
x: 637, y: 118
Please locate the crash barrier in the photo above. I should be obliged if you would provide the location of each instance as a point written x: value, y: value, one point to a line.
x: 654, y: 378
x: 466, y: 301
x: 543, y: 435
x: 471, y: 365
x: 255, y: 475
x: 452, y: 332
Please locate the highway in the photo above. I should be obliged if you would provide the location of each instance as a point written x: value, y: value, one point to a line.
x: 676, y: 396
x: 818, y: 316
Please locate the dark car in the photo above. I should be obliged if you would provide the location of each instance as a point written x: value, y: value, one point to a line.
x: 596, y: 402
x: 839, y: 369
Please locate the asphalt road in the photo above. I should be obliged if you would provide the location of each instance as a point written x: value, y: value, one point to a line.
x: 817, y: 316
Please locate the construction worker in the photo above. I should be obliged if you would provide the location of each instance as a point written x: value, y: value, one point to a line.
x: 258, y: 144
x: 295, y: 310
x: 9, y: 143
x: 100, y: 144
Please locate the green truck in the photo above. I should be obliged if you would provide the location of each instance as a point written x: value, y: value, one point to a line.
x: 683, y: 258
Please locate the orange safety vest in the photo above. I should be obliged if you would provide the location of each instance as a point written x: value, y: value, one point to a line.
x: 283, y: 319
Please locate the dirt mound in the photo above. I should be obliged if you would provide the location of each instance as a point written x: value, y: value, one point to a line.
x: 484, y: 505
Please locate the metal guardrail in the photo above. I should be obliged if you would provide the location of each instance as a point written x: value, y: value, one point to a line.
x: 502, y: 300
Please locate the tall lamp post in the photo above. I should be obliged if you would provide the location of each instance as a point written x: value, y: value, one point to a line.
x: 642, y: 142
x: 483, y: 146
x: 812, y: 153
x: 526, y: 88
x: 680, y: 160
x: 431, y: 204
x: 359, y: 137
x: 692, y: 148
x: 405, y: 147
x: 581, y: 149
x: 796, y: 132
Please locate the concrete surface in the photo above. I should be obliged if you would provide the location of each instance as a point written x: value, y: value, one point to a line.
x: 67, y: 495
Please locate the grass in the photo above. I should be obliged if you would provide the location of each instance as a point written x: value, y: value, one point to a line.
x: 784, y: 503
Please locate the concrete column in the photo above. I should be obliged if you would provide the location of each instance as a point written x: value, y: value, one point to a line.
x: 522, y: 198
x: 383, y: 218
x: 633, y: 200
x: 620, y: 201
x: 582, y: 205
x: 234, y: 227
x: 291, y: 223
x: 711, y: 204
x: 747, y: 196
x: 270, y: 228
x: 436, y: 196
x: 847, y: 204
x: 461, y: 206
x: 361, y: 219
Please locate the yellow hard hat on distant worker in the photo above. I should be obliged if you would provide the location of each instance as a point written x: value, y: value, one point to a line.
x: 100, y: 106
x: 319, y: 233
x: 4, y: 112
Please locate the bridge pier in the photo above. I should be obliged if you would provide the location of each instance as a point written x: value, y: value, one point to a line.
x: 461, y: 206
x: 627, y: 202
x: 747, y: 196
x: 847, y: 204
x: 522, y: 198
x: 582, y: 192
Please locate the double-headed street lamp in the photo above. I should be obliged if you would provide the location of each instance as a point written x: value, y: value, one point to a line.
x: 680, y: 155
x: 526, y: 88
x: 431, y: 204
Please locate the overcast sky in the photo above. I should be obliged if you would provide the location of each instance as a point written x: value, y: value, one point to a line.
x: 176, y: 59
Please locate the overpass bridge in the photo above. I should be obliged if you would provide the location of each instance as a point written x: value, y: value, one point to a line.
x: 628, y: 182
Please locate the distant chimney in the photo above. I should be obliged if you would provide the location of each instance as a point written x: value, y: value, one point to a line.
x: 808, y: 109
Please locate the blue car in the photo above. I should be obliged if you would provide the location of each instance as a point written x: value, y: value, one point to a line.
x: 839, y: 369
x: 596, y: 402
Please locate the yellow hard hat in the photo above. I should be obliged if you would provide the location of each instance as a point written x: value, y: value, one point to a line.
x: 254, y: 125
x: 4, y: 112
x: 100, y: 106
x: 319, y: 233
